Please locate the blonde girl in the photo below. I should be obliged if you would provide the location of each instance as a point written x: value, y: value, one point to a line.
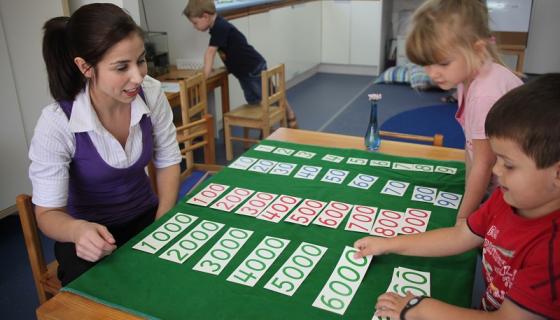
x: 452, y: 40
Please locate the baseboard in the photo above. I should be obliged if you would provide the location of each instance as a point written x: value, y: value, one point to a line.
x: 349, y: 69
x: 8, y: 211
x: 302, y: 77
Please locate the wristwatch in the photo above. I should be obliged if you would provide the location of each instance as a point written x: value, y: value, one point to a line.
x: 411, y: 304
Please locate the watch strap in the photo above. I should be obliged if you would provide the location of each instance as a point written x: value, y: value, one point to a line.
x: 409, y: 305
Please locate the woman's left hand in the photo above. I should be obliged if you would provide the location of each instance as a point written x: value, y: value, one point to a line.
x: 391, y: 304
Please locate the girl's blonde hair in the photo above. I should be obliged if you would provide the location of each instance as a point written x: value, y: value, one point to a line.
x: 441, y: 27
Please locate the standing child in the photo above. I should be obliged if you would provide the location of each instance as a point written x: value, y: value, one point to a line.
x: 239, y: 57
x: 452, y: 40
x: 90, y: 147
x: 518, y: 227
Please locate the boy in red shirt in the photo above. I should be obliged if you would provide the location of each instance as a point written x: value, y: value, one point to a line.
x: 518, y: 227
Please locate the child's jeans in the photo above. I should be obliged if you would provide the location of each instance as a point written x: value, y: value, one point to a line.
x: 251, y: 85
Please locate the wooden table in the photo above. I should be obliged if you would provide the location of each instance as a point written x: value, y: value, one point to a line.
x: 218, y: 78
x: 69, y: 306
x: 389, y: 147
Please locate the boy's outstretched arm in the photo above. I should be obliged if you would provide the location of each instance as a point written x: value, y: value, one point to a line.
x: 435, y: 243
x: 209, y: 60
x: 391, y: 305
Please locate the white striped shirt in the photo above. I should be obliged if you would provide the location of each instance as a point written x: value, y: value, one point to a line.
x: 53, y: 144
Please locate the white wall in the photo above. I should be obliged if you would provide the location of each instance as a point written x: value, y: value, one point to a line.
x: 543, y: 49
x: 23, y: 88
x: 184, y: 41
x: 131, y: 6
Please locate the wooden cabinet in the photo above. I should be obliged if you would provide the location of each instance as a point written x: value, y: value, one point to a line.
x: 336, y: 32
x: 352, y: 32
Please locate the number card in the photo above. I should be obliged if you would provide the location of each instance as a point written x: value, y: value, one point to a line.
x: 218, y: 257
x: 308, y: 172
x: 358, y: 161
x: 448, y: 200
x: 387, y: 224
x: 306, y: 212
x: 284, y: 151
x: 361, y: 219
x: 335, y: 176
x: 262, y: 166
x: 181, y: 250
x: 332, y: 158
x: 424, y: 194
x: 165, y: 233
x: 305, y: 154
x: 343, y: 283
x: 395, y: 188
x: 255, y: 265
x: 295, y: 270
x: 363, y: 181
x: 423, y: 168
x: 410, y: 280
x: 403, y: 166
x: 242, y: 163
x: 264, y: 148
x: 333, y: 214
x: 448, y: 170
x: 208, y: 194
x: 283, y: 168
x: 415, y: 221
x: 397, y: 283
x: 279, y: 208
x: 380, y: 163
x: 254, y: 206
x: 232, y: 199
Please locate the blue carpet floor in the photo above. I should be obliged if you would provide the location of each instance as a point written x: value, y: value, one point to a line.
x: 428, y: 121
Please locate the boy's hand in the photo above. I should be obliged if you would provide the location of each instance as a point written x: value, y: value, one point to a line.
x: 369, y: 246
x: 390, y: 305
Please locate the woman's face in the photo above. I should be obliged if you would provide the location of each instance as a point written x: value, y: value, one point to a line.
x: 120, y: 72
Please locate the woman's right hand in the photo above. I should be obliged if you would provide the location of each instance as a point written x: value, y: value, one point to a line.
x: 93, y: 241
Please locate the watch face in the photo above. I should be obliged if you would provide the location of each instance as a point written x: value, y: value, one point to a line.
x: 414, y: 301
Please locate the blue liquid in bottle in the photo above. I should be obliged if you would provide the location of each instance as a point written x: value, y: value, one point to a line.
x: 372, y: 139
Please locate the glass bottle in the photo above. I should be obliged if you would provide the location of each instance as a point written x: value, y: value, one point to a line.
x: 372, y: 139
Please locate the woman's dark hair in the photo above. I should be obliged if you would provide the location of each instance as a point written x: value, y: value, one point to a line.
x: 89, y: 33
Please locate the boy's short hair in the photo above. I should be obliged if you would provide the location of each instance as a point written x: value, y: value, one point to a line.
x: 530, y: 116
x: 196, y: 8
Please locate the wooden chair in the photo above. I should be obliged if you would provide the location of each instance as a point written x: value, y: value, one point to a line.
x: 271, y: 111
x: 193, y: 98
x: 435, y: 140
x: 44, y: 276
x: 195, y: 135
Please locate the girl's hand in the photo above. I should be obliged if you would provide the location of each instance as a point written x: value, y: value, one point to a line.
x: 369, y: 246
x: 93, y: 241
x: 391, y: 305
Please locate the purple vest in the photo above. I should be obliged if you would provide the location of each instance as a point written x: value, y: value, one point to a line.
x: 100, y: 193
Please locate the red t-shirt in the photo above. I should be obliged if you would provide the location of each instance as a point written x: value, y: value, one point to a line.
x: 520, y: 257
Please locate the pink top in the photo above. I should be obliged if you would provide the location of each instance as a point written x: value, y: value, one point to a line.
x: 491, y: 83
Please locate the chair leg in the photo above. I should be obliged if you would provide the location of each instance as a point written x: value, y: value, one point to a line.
x: 246, y: 144
x: 227, y: 138
x: 266, y: 131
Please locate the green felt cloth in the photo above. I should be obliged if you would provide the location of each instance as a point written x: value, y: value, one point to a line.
x: 146, y: 285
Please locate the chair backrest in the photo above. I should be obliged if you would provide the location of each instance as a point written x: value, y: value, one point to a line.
x: 193, y: 98
x: 273, y: 84
x: 195, y: 135
x: 435, y: 140
x: 44, y: 276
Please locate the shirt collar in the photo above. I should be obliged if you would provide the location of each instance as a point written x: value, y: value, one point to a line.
x: 84, y: 118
